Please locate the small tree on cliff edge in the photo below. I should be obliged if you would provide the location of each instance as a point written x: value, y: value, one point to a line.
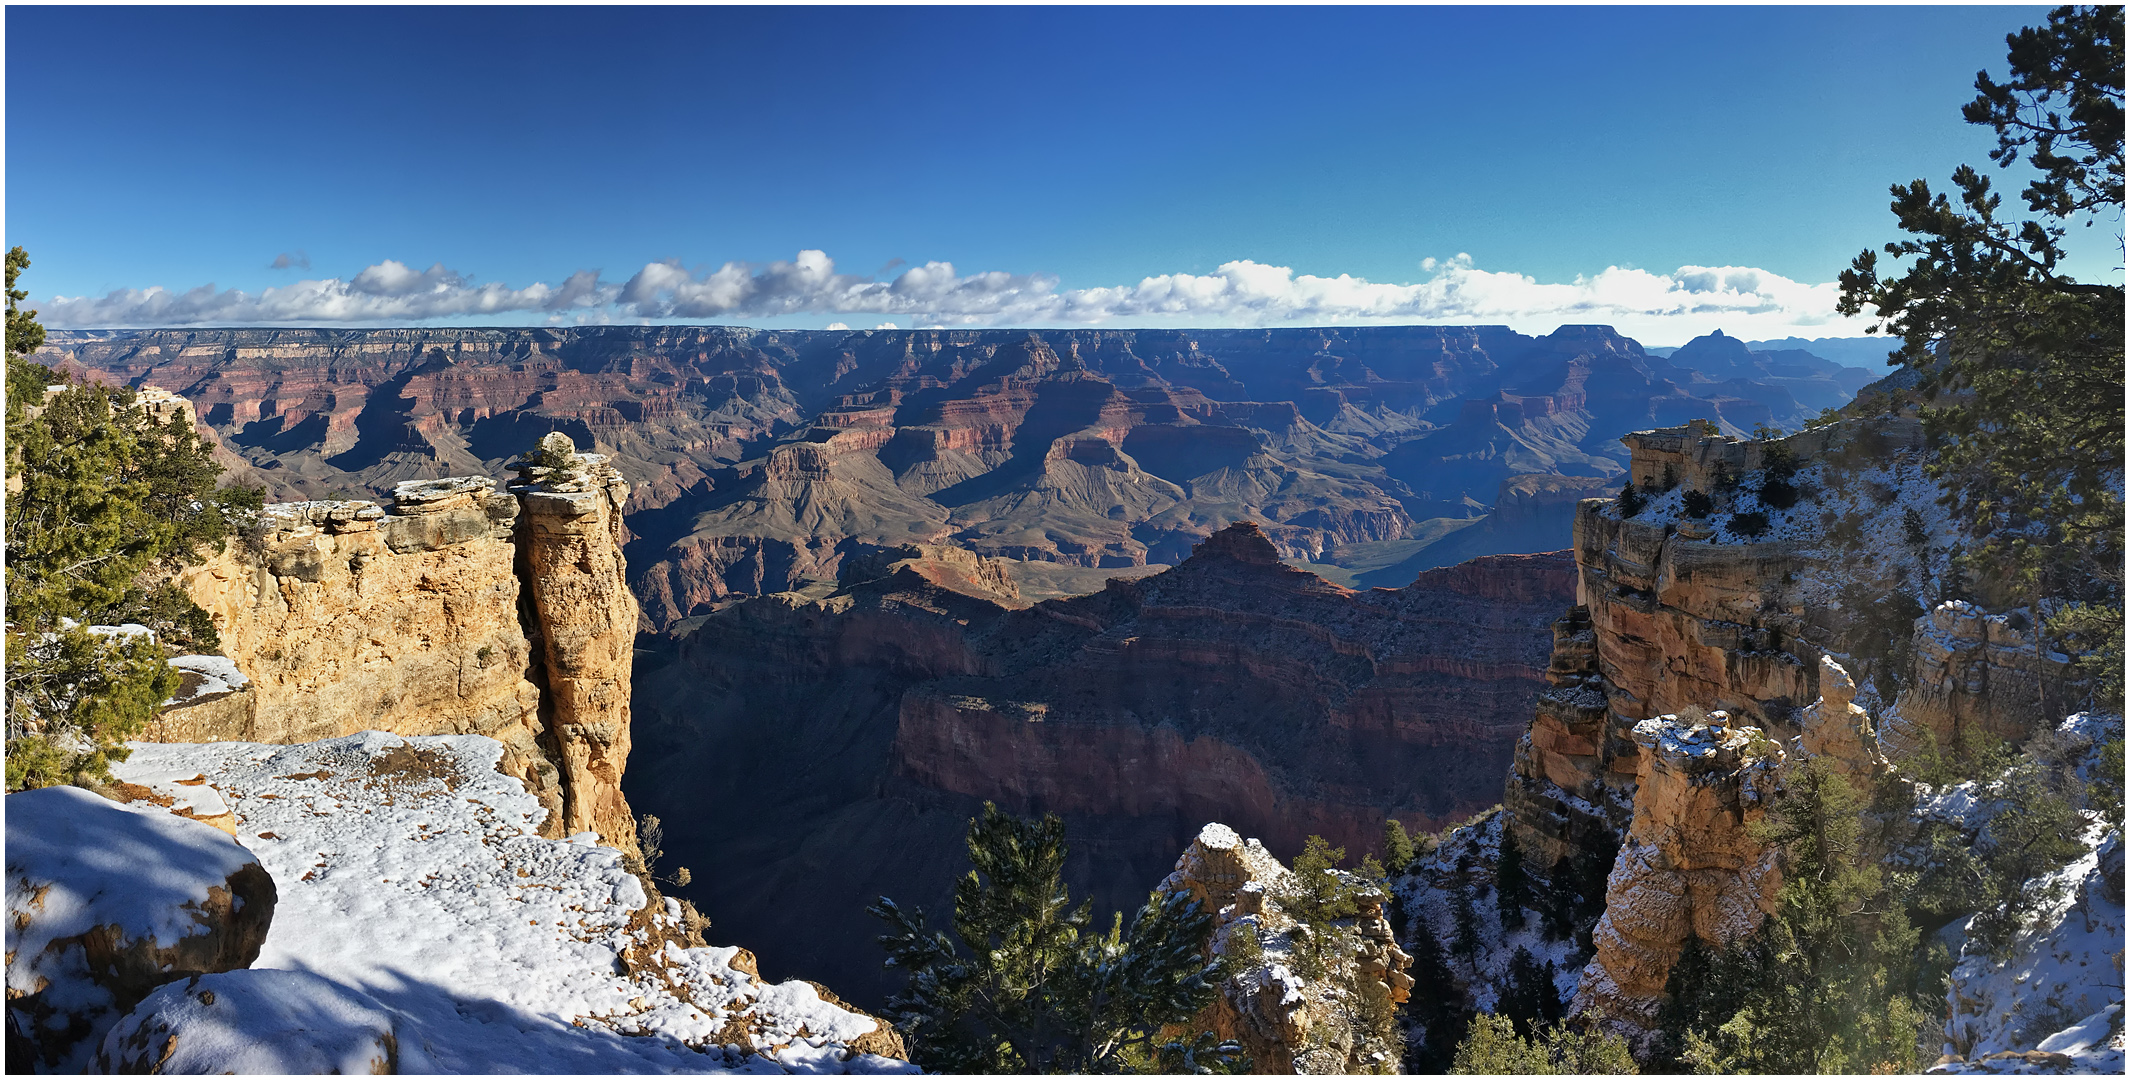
x: 100, y: 495
x: 1037, y: 990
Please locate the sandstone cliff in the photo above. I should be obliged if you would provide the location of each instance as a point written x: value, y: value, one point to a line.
x: 1704, y: 642
x: 569, y: 551
x: 458, y: 610
x: 1689, y: 866
x: 1230, y: 687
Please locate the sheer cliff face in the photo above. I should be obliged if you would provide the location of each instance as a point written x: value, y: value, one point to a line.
x: 753, y: 456
x: 1698, y: 650
x: 569, y: 552
x: 839, y: 746
x: 347, y: 618
x: 458, y: 611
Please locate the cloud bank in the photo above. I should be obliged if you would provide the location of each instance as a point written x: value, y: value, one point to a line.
x: 1680, y: 304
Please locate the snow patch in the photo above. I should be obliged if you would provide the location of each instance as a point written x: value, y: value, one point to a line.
x: 412, y: 873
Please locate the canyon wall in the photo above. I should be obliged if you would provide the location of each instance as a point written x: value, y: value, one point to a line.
x: 754, y: 456
x: 1703, y: 644
x: 457, y: 610
x: 1690, y: 866
x: 840, y: 745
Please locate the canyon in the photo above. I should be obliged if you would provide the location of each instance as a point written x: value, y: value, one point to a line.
x: 758, y: 459
x: 1017, y: 569
x: 839, y: 746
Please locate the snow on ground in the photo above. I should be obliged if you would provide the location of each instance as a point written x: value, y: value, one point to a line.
x: 76, y: 861
x: 1433, y: 890
x: 2061, y: 991
x: 412, y: 876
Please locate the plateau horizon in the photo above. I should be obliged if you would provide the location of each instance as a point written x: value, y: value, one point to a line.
x: 808, y: 292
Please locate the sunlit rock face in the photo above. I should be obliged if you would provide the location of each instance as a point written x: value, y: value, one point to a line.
x: 1285, y: 1022
x: 1690, y: 866
x: 456, y: 610
x: 753, y: 456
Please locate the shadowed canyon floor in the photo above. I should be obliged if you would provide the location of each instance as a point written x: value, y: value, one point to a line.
x: 838, y: 747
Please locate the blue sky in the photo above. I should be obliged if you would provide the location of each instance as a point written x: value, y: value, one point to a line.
x: 1664, y: 169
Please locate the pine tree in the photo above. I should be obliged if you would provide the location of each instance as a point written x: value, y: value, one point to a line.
x: 1512, y: 885
x: 1631, y: 501
x: 1493, y: 1047
x: 1398, y: 850
x: 1318, y: 896
x: 2023, y: 362
x: 101, y: 500
x: 25, y: 380
x: 1830, y: 983
x: 1038, y: 990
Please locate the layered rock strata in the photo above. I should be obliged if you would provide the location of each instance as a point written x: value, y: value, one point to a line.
x: 1973, y: 670
x: 458, y: 610
x: 1230, y: 687
x: 1671, y: 616
x: 345, y: 616
x: 753, y: 454
x: 569, y: 551
x: 1287, y: 1023
x: 1690, y: 866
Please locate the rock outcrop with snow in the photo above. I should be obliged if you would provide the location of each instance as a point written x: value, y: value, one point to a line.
x: 1286, y: 1022
x: 2054, y: 1002
x: 425, y: 925
x: 106, y: 903
x: 1690, y: 866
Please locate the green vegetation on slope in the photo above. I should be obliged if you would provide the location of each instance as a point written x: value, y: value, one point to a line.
x: 2028, y: 362
x: 103, y: 500
x: 1025, y: 985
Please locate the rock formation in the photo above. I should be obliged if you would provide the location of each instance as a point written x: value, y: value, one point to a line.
x: 1973, y: 670
x: 569, y: 552
x: 1689, y: 867
x: 1287, y: 1023
x: 1671, y: 615
x: 1230, y: 687
x: 104, y: 904
x: 1838, y: 731
x: 754, y: 454
x: 460, y: 610
x: 1704, y: 641
x: 345, y: 617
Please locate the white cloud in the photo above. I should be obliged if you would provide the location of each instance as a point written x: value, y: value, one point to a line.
x: 837, y: 326
x: 389, y: 292
x: 1660, y: 308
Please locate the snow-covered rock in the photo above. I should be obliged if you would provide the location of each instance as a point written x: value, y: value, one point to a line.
x: 253, y: 1022
x: 107, y: 902
x: 2056, y: 1004
x: 416, y: 887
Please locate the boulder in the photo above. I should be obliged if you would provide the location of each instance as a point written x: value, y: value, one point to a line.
x: 108, y: 902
